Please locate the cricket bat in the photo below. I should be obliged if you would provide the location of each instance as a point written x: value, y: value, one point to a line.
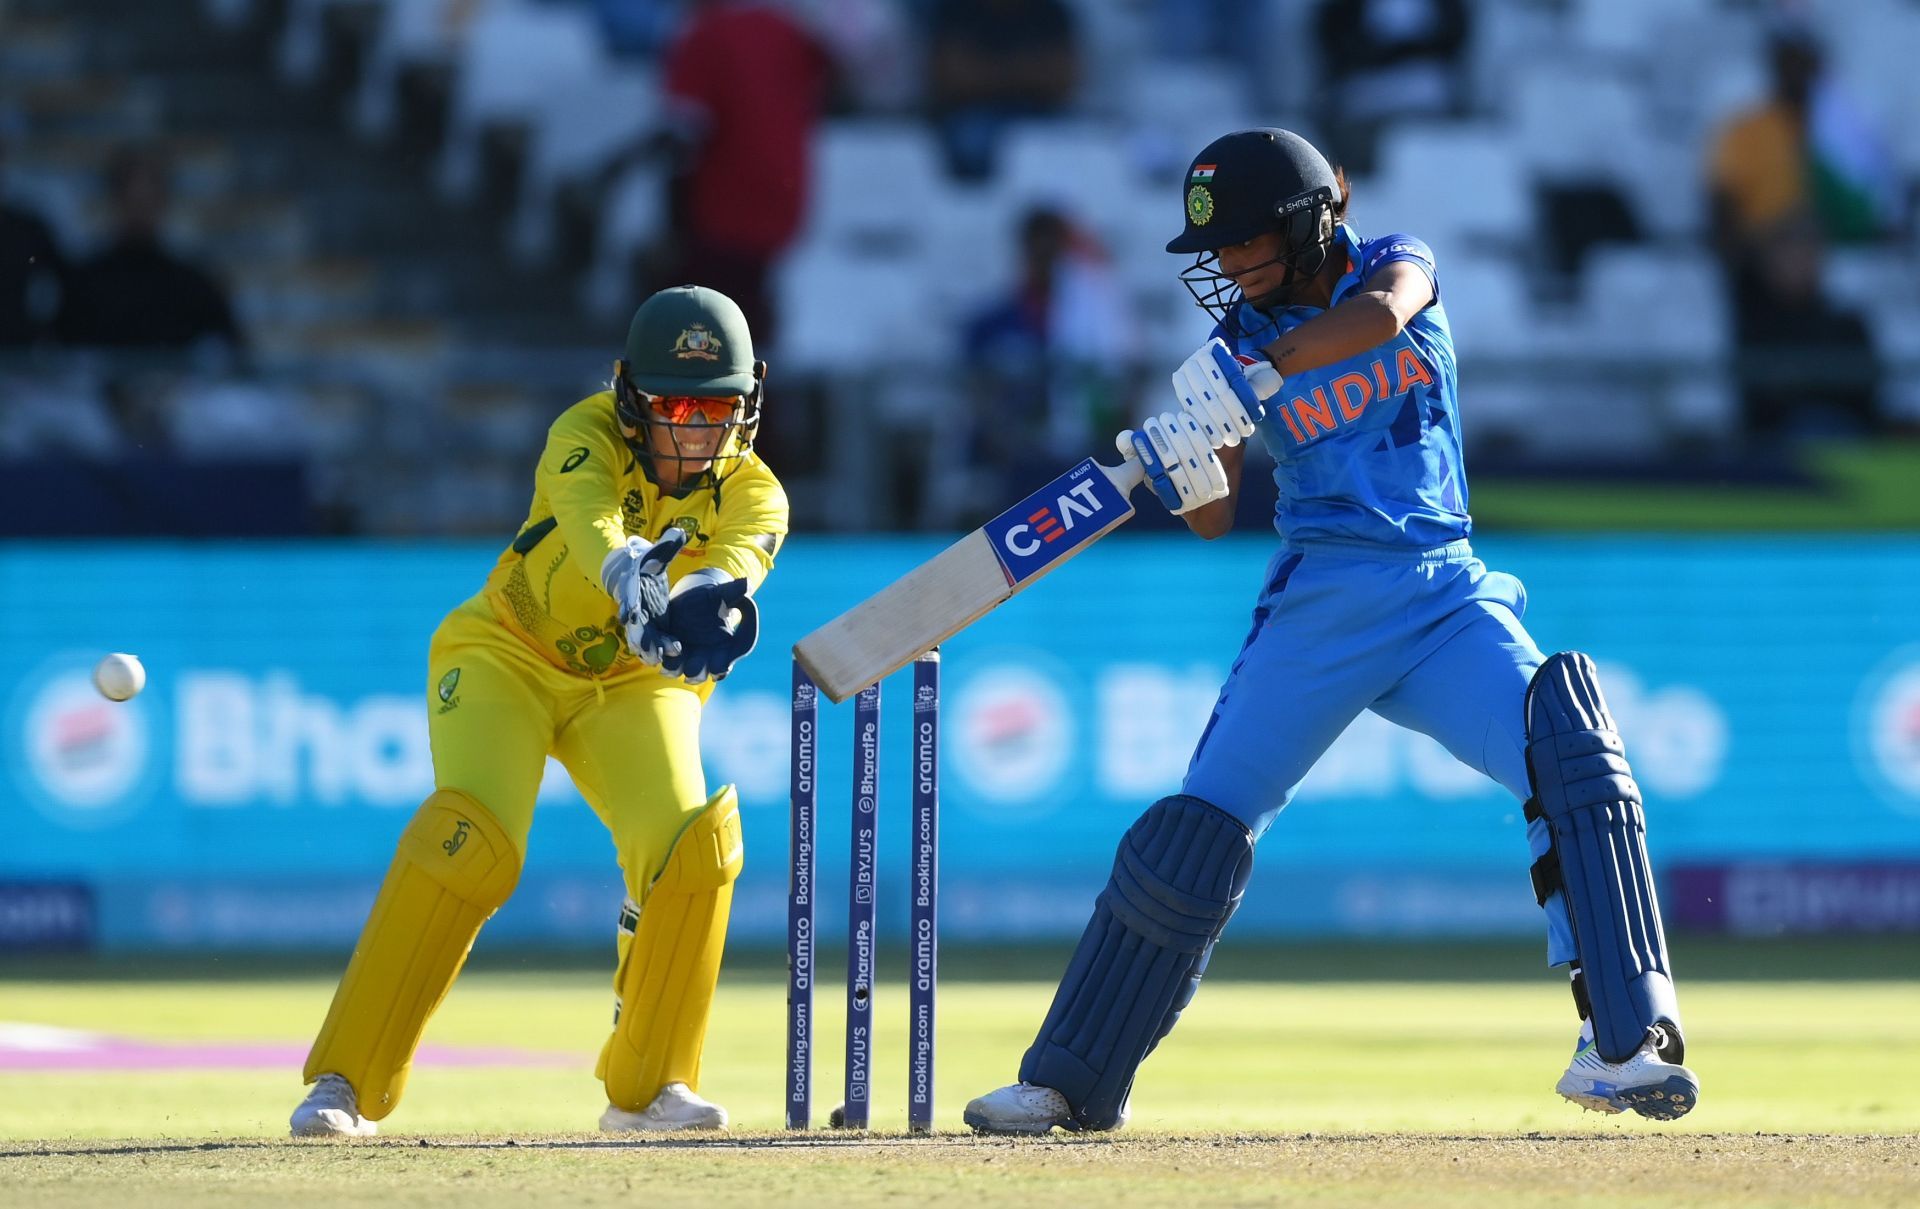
x: 962, y: 583
x: 967, y: 580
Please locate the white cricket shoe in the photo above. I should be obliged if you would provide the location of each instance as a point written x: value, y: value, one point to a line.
x: 1025, y: 1108
x: 331, y: 1110
x: 1659, y: 1090
x: 676, y: 1107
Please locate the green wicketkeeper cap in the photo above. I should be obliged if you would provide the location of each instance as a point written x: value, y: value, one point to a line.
x: 690, y: 340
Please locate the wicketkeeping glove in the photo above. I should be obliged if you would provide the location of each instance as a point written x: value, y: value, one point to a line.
x: 636, y: 577
x: 715, y: 623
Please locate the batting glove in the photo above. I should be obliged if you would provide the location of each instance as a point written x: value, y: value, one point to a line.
x: 1226, y: 395
x: 1180, y: 464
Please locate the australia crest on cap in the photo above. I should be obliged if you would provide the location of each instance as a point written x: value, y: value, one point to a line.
x: 696, y: 343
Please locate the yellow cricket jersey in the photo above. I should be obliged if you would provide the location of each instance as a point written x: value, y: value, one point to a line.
x: 589, y: 495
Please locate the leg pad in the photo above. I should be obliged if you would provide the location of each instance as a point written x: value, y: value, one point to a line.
x: 1177, y: 879
x: 455, y: 867
x: 1584, y: 789
x: 672, y: 965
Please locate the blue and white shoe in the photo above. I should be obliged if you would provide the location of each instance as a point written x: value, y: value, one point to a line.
x: 1661, y: 1091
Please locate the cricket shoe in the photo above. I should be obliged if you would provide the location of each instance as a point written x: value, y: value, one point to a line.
x: 676, y: 1107
x: 1662, y: 1091
x: 331, y: 1110
x: 1024, y: 1108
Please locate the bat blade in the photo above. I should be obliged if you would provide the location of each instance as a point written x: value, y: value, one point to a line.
x: 961, y: 584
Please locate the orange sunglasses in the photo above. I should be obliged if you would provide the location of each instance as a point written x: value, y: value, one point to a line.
x: 688, y: 409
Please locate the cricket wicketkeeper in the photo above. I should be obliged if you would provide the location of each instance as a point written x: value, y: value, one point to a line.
x: 597, y: 639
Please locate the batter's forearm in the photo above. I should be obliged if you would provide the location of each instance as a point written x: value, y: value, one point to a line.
x: 1216, y: 519
x: 1361, y: 322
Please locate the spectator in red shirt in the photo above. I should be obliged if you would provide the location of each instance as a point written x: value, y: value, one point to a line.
x: 746, y: 85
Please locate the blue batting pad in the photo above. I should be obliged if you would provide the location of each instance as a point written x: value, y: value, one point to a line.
x: 1176, y: 881
x: 1585, y: 791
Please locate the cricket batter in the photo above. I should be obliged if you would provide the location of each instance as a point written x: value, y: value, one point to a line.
x: 597, y: 639
x: 1374, y: 600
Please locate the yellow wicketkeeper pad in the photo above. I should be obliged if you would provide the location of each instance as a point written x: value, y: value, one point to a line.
x: 455, y: 866
x: 668, y: 976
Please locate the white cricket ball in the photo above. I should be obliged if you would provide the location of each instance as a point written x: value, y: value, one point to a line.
x: 119, y: 677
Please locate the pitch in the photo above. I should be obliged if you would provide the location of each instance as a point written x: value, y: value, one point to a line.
x: 1345, y: 1091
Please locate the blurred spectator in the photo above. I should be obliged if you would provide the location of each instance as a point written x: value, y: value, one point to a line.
x: 1806, y: 150
x: 137, y: 293
x: 1386, y: 60
x: 635, y: 28
x: 745, y: 85
x: 1807, y: 366
x: 1048, y: 364
x: 992, y: 63
x: 32, y: 271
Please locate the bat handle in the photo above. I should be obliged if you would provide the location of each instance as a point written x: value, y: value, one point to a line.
x: 1129, y: 473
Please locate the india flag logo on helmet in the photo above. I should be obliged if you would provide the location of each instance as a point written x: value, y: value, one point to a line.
x: 1201, y: 174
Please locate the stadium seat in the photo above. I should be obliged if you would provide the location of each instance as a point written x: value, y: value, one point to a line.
x: 515, y: 62
x: 410, y: 32
x: 1896, y: 338
x: 1080, y: 167
x: 1660, y: 313
x: 1182, y: 97
x: 1417, y: 157
x: 1485, y: 299
x: 1869, y: 278
x: 840, y: 312
x: 231, y: 14
x: 1628, y: 28
x: 873, y: 182
x: 301, y: 43
x: 583, y: 124
x: 1569, y: 121
x: 633, y: 214
x: 1660, y: 300
x: 968, y: 249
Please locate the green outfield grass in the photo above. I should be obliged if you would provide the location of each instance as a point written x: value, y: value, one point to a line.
x: 1337, y: 1092
x: 1843, y: 487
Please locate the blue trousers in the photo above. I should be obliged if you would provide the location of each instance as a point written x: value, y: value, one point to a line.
x: 1429, y: 639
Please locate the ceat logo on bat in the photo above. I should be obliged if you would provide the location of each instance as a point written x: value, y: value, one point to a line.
x: 1055, y: 521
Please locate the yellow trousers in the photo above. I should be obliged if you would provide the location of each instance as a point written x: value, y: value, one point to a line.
x: 632, y: 745
x: 496, y: 712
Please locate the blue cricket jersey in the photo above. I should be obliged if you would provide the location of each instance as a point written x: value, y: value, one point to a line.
x: 1367, y: 449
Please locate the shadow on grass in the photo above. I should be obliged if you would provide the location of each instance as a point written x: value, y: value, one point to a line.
x: 1702, y: 958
